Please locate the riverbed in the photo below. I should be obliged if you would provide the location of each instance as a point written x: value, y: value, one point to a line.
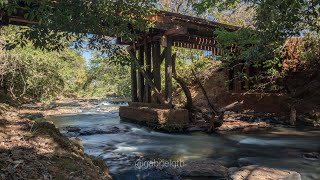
x: 120, y: 144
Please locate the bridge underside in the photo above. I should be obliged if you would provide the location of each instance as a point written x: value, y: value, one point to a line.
x: 154, y: 48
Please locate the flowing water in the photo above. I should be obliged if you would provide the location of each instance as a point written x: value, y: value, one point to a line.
x: 120, y: 144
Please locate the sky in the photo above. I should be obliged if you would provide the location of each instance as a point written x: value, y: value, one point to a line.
x: 87, y: 55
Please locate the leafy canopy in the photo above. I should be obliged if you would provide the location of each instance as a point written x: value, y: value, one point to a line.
x: 33, y: 74
x: 275, y: 19
x: 261, y: 43
x: 88, y: 22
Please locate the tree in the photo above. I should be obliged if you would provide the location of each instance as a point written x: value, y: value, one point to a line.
x: 88, y: 22
x: 262, y: 44
x: 107, y: 78
x: 177, y: 6
x: 275, y: 19
x: 30, y: 74
x: 267, y: 44
x: 242, y: 15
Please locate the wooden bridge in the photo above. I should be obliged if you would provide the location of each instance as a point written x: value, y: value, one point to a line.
x: 151, y: 104
x: 152, y: 48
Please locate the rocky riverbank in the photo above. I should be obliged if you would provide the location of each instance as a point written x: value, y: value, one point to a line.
x: 56, y: 154
x: 250, y: 122
x: 216, y: 170
x: 37, y: 150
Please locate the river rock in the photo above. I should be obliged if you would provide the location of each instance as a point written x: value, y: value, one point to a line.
x: 311, y: 156
x: 3, y: 137
x: 246, y: 161
x: 73, y: 129
x: 52, y: 105
x: 255, y: 172
x: 106, y: 130
x: 293, y: 152
x: 262, y: 125
x: 304, y: 120
x: 236, y: 125
x: 193, y: 129
x: 245, y: 117
x: 94, y: 131
x: 227, y: 161
x: 32, y: 106
x: 207, y: 168
x: 34, y: 116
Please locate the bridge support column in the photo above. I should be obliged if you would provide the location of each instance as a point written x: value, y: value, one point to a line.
x: 156, y: 66
x: 168, y: 71
x: 140, y: 77
x: 148, y: 71
x: 134, y: 93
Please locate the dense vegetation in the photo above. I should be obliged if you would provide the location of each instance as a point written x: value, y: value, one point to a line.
x: 47, y: 54
x: 31, y: 74
x: 34, y: 74
x: 267, y: 41
x: 88, y: 23
x: 107, y: 78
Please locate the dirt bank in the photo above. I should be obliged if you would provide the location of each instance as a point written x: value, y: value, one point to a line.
x: 30, y: 150
x: 258, y: 107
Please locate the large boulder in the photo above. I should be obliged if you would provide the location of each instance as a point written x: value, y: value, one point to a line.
x: 255, y: 172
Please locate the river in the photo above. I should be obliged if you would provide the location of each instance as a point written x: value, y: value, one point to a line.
x: 120, y: 144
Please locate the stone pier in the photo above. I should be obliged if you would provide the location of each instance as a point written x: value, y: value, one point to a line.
x: 155, y: 116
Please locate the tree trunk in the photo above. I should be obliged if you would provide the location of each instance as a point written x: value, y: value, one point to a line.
x: 217, y: 112
x: 168, y: 71
x: 213, y: 108
x: 293, y: 115
x: 183, y: 84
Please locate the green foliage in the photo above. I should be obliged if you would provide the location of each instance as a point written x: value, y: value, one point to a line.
x: 107, y: 78
x: 30, y: 76
x: 73, y: 70
x: 188, y: 59
x: 28, y: 73
x: 280, y: 19
x: 274, y: 19
x: 242, y: 16
x: 245, y: 48
x: 239, y: 46
x: 39, y: 75
x: 78, y: 20
x: 310, y: 53
x: 263, y: 45
x: 207, y: 5
x: 177, y: 6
